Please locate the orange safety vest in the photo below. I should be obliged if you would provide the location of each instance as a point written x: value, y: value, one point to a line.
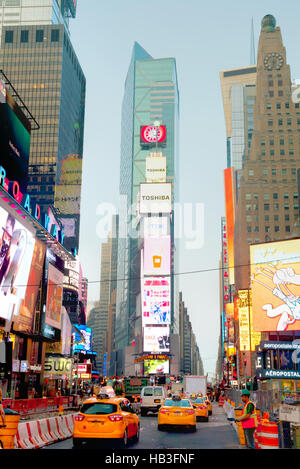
x: 252, y: 421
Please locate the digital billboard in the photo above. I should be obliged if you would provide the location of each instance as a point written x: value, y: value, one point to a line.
x: 16, y: 251
x: 244, y: 320
x: 230, y: 197
x: 82, y: 340
x: 71, y: 277
x: 156, y: 168
x: 155, y: 198
x: 23, y: 321
x: 155, y: 227
x: 157, y: 256
x: 14, y: 139
x: 156, y: 339
x: 156, y: 366
x: 152, y: 135
x: 275, y: 284
x: 156, y: 301
x: 54, y: 297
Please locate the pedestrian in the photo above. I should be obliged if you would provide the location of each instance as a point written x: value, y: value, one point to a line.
x: 2, y: 413
x: 248, y: 419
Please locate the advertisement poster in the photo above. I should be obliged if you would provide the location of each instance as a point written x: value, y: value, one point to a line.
x: 54, y: 297
x: 156, y: 366
x: 82, y: 340
x: 16, y: 251
x: 275, y: 284
x: 155, y: 227
x: 156, y: 168
x: 23, y: 322
x: 156, y: 301
x: 157, y: 339
x: 157, y: 256
x: 244, y: 320
x: 14, y: 140
x: 156, y: 198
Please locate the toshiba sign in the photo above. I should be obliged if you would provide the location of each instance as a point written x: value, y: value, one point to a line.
x: 156, y: 198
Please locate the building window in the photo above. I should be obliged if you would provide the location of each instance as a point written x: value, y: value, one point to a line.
x: 255, y: 196
x: 275, y: 195
x: 296, y: 195
x: 249, y: 229
x: 251, y: 172
x: 265, y: 172
x: 267, y: 229
x: 248, y: 196
x: 248, y: 207
x: 273, y: 172
x: 293, y: 170
x: 263, y: 143
x: 266, y: 196
x: 283, y: 172
x: 287, y: 105
x: 279, y: 82
x: 289, y: 122
x: 39, y: 35
x: 263, y: 153
x: 9, y: 37
x: 271, y: 94
x: 267, y: 217
x: 296, y: 207
x: 270, y: 83
x: 280, y: 93
x: 276, y: 217
x: 286, y: 206
x: 278, y: 106
x: 266, y: 206
x: 249, y: 218
x: 281, y: 141
x: 281, y: 152
x: 270, y: 123
x: 55, y: 35
x: 256, y: 229
x: 255, y: 206
x: 276, y: 229
x: 276, y: 206
x: 291, y: 152
x: 269, y: 107
x: 280, y: 121
x: 287, y: 229
x: 272, y: 152
x: 286, y: 217
x: 24, y: 36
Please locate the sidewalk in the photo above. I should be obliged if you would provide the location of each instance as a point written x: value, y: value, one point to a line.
x: 220, y: 432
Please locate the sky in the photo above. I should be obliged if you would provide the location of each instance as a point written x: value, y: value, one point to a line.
x: 204, y: 37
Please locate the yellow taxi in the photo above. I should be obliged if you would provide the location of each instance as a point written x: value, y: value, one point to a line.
x: 177, y: 412
x: 208, y: 403
x: 105, y: 417
x: 200, y: 408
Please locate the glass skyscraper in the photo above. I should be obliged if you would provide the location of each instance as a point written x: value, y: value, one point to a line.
x: 151, y: 94
x: 37, y: 56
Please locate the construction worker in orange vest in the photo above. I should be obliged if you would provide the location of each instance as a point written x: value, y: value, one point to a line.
x: 248, y: 418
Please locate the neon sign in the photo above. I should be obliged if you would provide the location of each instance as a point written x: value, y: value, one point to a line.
x: 47, y: 220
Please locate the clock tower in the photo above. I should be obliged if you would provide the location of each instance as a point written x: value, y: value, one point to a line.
x: 268, y: 203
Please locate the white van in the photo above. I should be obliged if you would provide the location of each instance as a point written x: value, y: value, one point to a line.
x: 152, y: 398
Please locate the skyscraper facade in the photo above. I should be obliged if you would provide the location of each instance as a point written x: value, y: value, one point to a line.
x: 38, y: 58
x: 268, y: 195
x: 151, y: 95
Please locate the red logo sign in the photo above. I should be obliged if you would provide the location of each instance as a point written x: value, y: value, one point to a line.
x: 151, y: 134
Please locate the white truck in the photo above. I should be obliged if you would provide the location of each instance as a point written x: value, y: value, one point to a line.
x: 195, y: 385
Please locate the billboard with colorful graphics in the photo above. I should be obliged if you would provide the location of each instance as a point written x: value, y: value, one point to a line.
x: 156, y: 339
x: 54, y: 297
x: 230, y: 197
x: 156, y: 366
x: 157, y: 256
x: 156, y: 301
x: 275, y: 284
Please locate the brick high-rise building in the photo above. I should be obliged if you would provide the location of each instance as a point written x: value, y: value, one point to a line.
x: 268, y: 193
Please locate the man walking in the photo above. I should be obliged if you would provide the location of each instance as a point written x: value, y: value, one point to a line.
x: 248, y: 418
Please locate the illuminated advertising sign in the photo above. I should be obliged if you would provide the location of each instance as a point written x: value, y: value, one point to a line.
x: 57, y: 366
x: 155, y: 198
x: 156, y: 339
x: 54, y: 297
x: 16, y: 252
x: 156, y: 168
x: 23, y: 321
x: 155, y: 227
x: 157, y: 256
x: 275, y: 284
x: 152, y: 135
x: 14, y: 139
x: 156, y: 301
x: 225, y: 270
x: 230, y: 217
x: 156, y: 366
x: 79, y: 344
x: 244, y: 320
x: 71, y: 277
x: 68, y: 188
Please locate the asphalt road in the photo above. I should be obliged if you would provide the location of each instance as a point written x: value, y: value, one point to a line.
x: 218, y: 433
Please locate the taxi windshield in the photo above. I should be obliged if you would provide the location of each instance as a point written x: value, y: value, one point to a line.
x: 171, y: 403
x: 98, y: 408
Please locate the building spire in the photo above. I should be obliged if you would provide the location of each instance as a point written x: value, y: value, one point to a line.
x: 252, y: 45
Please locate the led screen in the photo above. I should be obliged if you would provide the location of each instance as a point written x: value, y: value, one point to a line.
x: 155, y: 198
x: 156, y: 366
x: 157, y: 256
x: 16, y: 251
x: 156, y: 300
x: 54, y: 297
x: 157, y: 339
x: 275, y: 285
x: 82, y: 342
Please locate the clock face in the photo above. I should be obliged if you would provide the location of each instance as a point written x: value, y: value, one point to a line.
x: 153, y: 134
x: 273, y: 61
